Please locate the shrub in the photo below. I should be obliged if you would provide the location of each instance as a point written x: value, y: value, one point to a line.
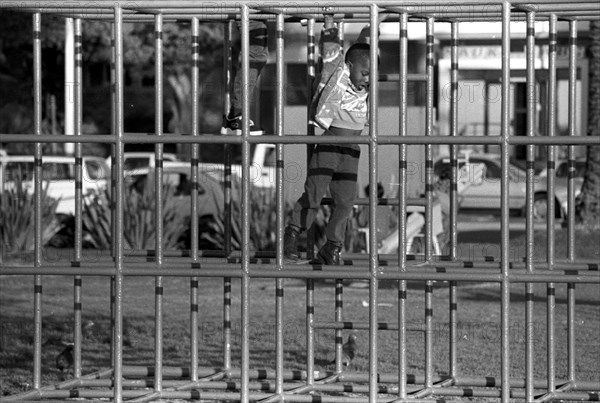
x: 139, y: 226
x: 17, y: 226
x: 263, y: 224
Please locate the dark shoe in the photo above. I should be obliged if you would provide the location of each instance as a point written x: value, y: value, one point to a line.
x: 290, y: 245
x: 330, y: 254
x: 233, y: 126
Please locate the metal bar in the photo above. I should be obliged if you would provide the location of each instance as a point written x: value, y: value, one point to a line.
x: 194, y: 236
x: 118, y: 239
x: 292, y: 397
x: 227, y: 69
x: 159, y: 6
x: 78, y: 99
x: 504, y: 229
x: 309, y: 272
x: 311, y: 65
x: 147, y: 138
x: 453, y: 133
x: 453, y: 219
x: 310, y: 286
x: 339, y: 304
x: 551, y: 300
x: 429, y: 68
x: 280, y: 212
x: 113, y: 184
x: 227, y: 322
x: 529, y: 233
x: 227, y: 79
x: 571, y: 198
x: 37, y: 121
x: 158, y: 199
x: 245, y: 201
x: 373, y: 262
x: 582, y: 12
x: 402, y: 203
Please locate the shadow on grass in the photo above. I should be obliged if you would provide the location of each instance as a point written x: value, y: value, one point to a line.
x: 518, y: 297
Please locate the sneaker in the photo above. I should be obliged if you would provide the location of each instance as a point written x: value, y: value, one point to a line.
x: 290, y: 246
x: 330, y: 254
x: 233, y: 126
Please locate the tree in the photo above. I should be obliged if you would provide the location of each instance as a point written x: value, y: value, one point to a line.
x: 16, y: 59
x: 588, y: 205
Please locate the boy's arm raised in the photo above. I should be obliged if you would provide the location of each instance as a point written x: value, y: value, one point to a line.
x: 331, y: 48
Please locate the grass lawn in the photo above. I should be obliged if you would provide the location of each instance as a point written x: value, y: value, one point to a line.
x: 478, y: 342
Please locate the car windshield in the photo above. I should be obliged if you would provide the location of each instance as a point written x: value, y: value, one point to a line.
x: 132, y: 163
x: 96, y: 170
x: 180, y: 182
x: 51, y: 171
x: 563, y: 169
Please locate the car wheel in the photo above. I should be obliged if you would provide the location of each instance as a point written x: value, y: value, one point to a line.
x: 540, y: 207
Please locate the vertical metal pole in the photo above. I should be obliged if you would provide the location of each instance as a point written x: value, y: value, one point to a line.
x: 310, y: 130
x: 37, y: 121
x: 310, y: 286
x: 78, y: 98
x: 279, y: 283
x: 118, y: 240
x: 373, y: 260
x: 339, y: 289
x: 227, y: 74
x: 245, y: 297
x: 194, y: 312
x: 452, y: 298
x: 429, y: 71
x: 531, y: 125
x: 429, y: 59
x: 504, y: 229
x: 551, y: 301
x: 158, y: 188
x: 453, y: 133
x: 571, y: 197
x: 402, y: 195
x: 69, y: 118
x: 339, y: 317
x: 227, y: 63
x: 113, y: 183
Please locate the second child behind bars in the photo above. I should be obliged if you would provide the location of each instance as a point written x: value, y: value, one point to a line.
x: 340, y: 107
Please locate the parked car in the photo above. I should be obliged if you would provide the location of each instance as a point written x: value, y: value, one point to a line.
x: 210, y: 193
x: 141, y: 159
x: 485, y: 194
x: 561, y: 184
x: 58, y: 172
x: 262, y: 166
x: 211, y: 199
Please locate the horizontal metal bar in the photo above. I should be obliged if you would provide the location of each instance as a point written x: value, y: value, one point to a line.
x: 185, y: 17
x: 352, y: 262
x: 132, y: 371
x: 253, y: 5
x: 149, y: 138
x: 296, y: 398
x: 58, y: 138
x: 346, y: 325
x: 219, y: 270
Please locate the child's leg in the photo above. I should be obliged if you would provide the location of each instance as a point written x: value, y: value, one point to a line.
x: 322, y: 166
x: 343, y: 192
x: 258, y: 54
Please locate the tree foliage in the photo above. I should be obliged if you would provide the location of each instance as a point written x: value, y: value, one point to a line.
x: 16, y: 59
